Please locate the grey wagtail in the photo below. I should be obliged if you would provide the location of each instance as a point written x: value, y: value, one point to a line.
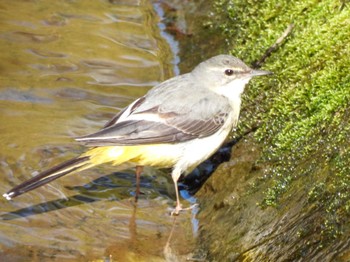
x: 179, y: 123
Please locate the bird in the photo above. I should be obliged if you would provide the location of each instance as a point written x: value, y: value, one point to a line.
x: 177, y: 124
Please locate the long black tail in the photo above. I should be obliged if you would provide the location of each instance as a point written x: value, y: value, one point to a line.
x: 49, y: 175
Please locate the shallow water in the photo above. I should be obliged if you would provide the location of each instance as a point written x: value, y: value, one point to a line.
x: 66, y: 67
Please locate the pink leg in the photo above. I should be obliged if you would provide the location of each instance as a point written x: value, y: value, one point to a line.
x: 178, y: 207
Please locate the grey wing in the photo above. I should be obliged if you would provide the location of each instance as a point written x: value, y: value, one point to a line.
x: 165, y: 117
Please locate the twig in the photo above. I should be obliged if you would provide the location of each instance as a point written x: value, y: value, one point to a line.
x: 257, y: 64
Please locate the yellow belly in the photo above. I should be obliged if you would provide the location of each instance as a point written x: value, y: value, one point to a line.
x: 161, y: 155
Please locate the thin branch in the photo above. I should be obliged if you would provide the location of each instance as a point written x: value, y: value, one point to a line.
x: 257, y: 64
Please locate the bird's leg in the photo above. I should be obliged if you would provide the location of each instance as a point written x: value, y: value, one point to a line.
x: 178, y: 207
x: 138, y: 172
x: 175, y: 175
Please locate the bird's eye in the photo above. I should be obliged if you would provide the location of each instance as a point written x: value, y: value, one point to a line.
x: 229, y: 72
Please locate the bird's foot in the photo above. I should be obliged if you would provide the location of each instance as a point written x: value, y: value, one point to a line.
x: 176, y: 211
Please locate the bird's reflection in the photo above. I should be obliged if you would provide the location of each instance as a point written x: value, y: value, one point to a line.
x: 165, y: 242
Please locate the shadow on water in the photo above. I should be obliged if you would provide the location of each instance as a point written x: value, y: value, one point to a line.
x: 102, y: 188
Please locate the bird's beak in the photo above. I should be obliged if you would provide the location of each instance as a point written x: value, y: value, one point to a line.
x: 260, y: 73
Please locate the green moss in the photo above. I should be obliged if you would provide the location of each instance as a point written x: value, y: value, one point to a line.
x: 303, y: 111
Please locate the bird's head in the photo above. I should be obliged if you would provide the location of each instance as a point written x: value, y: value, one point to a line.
x: 225, y: 75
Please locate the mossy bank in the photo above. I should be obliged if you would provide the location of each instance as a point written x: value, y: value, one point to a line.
x: 285, y: 195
